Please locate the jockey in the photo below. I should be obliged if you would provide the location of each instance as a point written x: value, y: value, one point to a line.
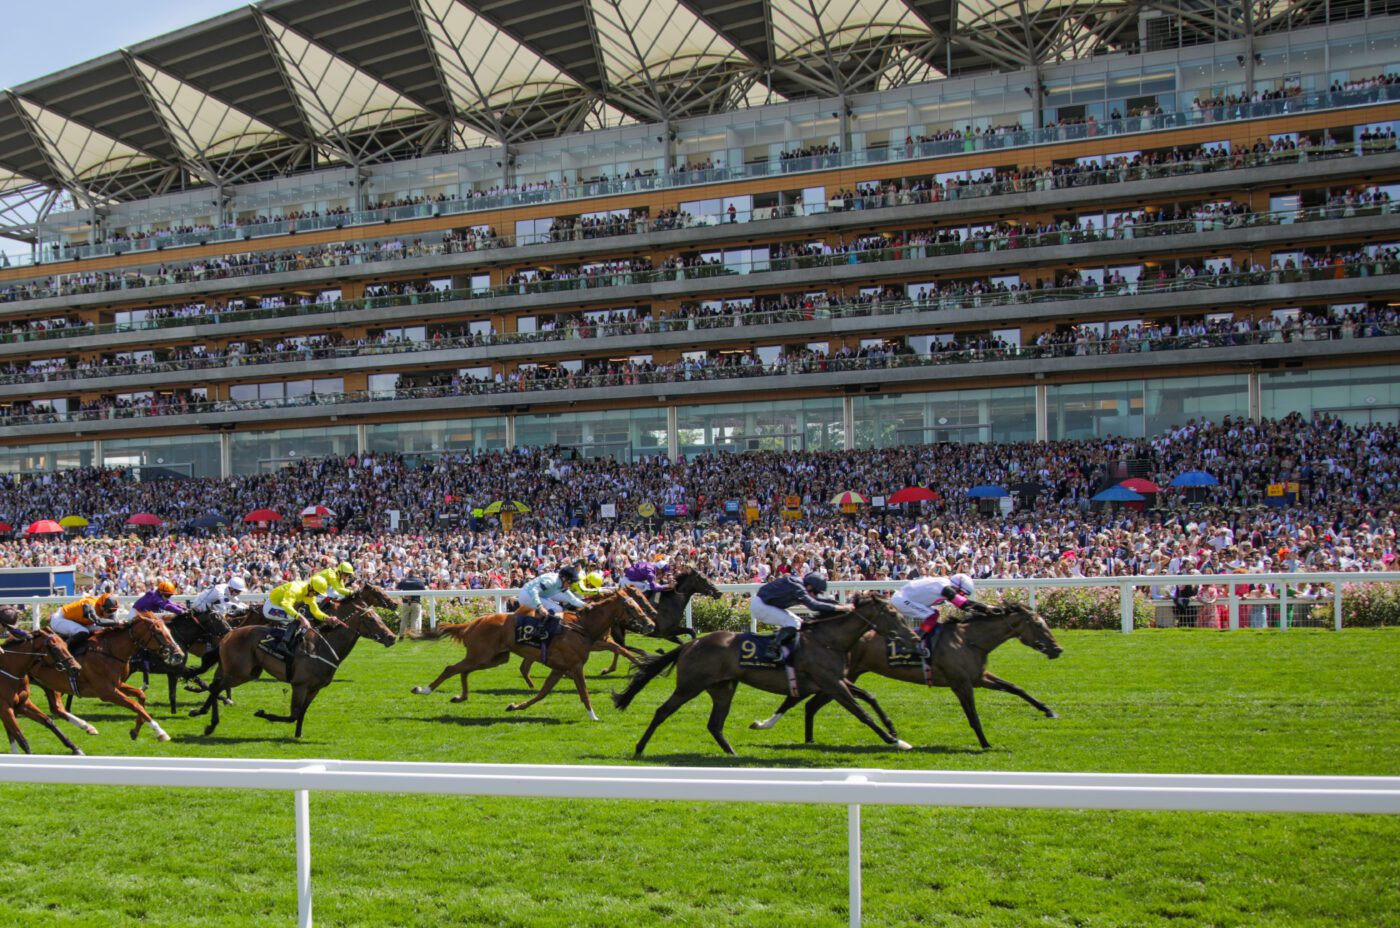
x: 157, y: 601
x: 336, y: 577
x: 76, y: 621
x: 550, y: 591
x: 589, y: 585
x: 645, y: 576
x: 285, y: 604
x: 919, y: 600
x: 773, y: 601
x: 220, y: 597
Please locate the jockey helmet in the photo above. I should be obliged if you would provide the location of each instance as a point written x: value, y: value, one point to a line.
x: 237, y: 585
x: 165, y: 588
x: 568, y: 573
x: 963, y: 584
x: 319, y: 585
x: 814, y: 582
x: 346, y: 568
x: 592, y: 580
x: 107, y: 604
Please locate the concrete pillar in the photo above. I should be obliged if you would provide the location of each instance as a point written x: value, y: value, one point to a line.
x: 843, y: 113
x: 97, y: 452
x: 1042, y: 412
x: 225, y: 455
x: 510, y: 431
x: 673, y: 438
x: 848, y: 422
x: 1256, y: 397
x: 361, y: 440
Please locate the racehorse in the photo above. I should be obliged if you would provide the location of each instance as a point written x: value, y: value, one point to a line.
x: 960, y: 662
x: 198, y: 633
x: 318, y: 657
x: 107, y: 664
x: 16, y: 663
x: 714, y: 663
x: 491, y: 639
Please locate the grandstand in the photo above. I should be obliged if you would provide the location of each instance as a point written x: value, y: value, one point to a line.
x: 303, y: 229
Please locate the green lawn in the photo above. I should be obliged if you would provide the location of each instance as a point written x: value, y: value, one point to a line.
x: 1302, y: 702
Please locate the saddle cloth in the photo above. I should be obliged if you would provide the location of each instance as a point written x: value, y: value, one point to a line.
x: 754, y: 650
x: 532, y: 629
x: 277, y: 642
x: 896, y: 655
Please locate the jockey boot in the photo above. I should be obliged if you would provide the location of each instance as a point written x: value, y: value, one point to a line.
x: 787, y: 649
x: 930, y: 641
x: 78, y: 642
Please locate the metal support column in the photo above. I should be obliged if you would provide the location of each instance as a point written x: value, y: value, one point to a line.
x: 673, y: 438
x: 97, y: 452
x: 510, y: 431
x: 848, y: 422
x: 225, y: 455
x: 1256, y: 403
x: 361, y: 440
x: 1042, y: 412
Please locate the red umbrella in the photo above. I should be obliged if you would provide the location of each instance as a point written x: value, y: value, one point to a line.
x: 263, y: 515
x: 1138, y: 485
x: 145, y: 518
x: 912, y: 495
x: 44, y: 527
x: 6, y: 527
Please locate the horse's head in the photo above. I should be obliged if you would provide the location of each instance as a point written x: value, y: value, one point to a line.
x: 880, y: 615
x: 366, y: 623
x: 1029, y: 628
x: 212, y: 624
x: 697, y: 584
x: 627, y: 613
x: 150, y: 633
x: 371, y: 595
x: 55, y: 653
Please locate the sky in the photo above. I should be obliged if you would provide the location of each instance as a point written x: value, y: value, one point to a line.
x: 44, y: 37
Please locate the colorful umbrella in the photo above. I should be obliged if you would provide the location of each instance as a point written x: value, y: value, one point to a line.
x: 912, y: 495
x: 1195, y: 478
x: 513, y: 505
x: 145, y: 518
x: 44, y: 527
x: 1139, y: 485
x: 6, y: 527
x: 1118, y: 494
x: 321, y: 511
x: 263, y: 515
x: 73, y: 522
x: 987, y: 491
x: 848, y: 498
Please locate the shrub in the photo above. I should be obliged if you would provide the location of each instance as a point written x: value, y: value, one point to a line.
x: 1364, y: 605
x: 727, y: 613
x: 1092, y: 608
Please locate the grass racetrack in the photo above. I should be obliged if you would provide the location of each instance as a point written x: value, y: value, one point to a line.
x: 1300, y: 702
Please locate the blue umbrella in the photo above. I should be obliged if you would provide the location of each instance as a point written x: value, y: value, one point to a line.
x: 987, y: 491
x: 1119, y: 495
x: 1195, y: 478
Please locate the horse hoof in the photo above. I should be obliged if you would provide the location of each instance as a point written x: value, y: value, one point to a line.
x: 78, y: 752
x: 421, y: 691
x: 1052, y: 714
x: 459, y: 699
x: 903, y: 745
x: 260, y: 714
x: 208, y: 730
x: 162, y: 737
x: 135, y: 733
x: 604, y: 673
x: 90, y: 730
x: 510, y: 708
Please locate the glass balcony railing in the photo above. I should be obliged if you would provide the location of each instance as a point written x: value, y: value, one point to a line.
x: 914, y: 150
x: 621, y: 377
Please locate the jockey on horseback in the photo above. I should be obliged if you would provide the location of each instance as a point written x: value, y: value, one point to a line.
x: 589, y: 585
x: 550, y: 593
x: 76, y: 621
x: 289, y: 605
x: 336, y: 577
x: 157, y: 601
x: 645, y: 576
x: 919, y: 600
x: 773, y: 601
x: 221, y: 598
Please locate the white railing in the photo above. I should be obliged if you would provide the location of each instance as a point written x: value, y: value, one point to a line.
x: 851, y: 788
x: 1124, y: 585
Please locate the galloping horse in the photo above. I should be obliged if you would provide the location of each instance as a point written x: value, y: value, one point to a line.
x: 198, y: 633
x: 490, y: 640
x: 713, y: 664
x: 16, y: 663
x: 318, y: 658
x: 959, y: 663
x: 107, y: 664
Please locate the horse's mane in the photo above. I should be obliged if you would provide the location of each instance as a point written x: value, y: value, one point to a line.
x: 986, y: 613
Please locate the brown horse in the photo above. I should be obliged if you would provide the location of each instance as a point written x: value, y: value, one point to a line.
x: 317, y: 658
x: 17, y: 660
x: 490, y: 640
x: 107, y: 664
x: 712, y: 664
x: 959, y: 662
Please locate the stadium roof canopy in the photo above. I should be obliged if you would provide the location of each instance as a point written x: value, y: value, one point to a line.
x: 285, y: 84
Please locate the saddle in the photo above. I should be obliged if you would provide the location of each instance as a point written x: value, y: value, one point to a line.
x: 759, y: 651
x: 279, y: 642
x: 536, y: 630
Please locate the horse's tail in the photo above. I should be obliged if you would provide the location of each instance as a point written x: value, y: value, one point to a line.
x: 648, y: 669
x: 457, y: 631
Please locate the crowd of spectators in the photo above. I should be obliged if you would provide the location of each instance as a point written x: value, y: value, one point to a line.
x: 1344, y: 515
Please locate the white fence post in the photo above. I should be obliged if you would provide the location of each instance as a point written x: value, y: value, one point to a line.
x: 1232, y: 604
x: 853, y: 860
x: 34, y: 616
x: 303, y: 826
x: 689, y: 617
x: 1125, y: 606
x: 1337, y: 606
x: 432, y: 611
x: 1283, y: 607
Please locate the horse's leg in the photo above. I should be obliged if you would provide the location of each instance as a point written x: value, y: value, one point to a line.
x: 56, y: 709
x: 300, y: 699
x: 965, y: 696
x: 582, y: 685
x: 814, y: 705
x: 776, y: 717
x: 172, y: 681
x: 32, y: 711
x: 17, y: 740
x: 132, y: 692
x: 869, y: 699
x: 619, y: 650
x: 525, y: 664
x: 721, y: 696
x: 993, y: 682
x: 841, y: 693
x: 301, y: 716
x: 451, y: 670
x: 118, y: 697
x: 554, y: 677
x: 663, y: 712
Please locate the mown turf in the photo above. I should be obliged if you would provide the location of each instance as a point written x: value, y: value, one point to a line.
x: 1303, y: 702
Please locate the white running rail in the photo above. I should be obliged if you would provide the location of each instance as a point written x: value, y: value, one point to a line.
x: 851, y: 788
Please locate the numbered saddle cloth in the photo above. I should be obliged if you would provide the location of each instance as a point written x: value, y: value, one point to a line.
x: 533, y: 629
x: 277, y: 642
x: 757, y: 650
x: 897, y: 655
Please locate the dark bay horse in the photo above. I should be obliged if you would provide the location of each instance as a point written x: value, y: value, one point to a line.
x: 318, y: 657
x: 490, y: 640
x: 959, y: 662
x: 198, y: 633
x: 712, y: 664
x: 107, y: 664
x: 17, y: 661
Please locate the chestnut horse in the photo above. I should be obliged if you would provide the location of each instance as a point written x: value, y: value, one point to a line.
x: 490, y: 640
x: 107, y: 664
x: 318, y: 657
x: 17, y: 661
x: 960, y: 662
x: 712, y: 664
